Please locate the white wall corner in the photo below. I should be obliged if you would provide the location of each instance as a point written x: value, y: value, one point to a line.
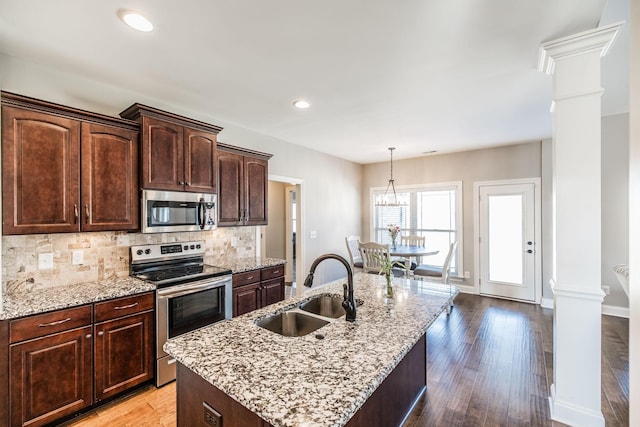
x: 573, y: 415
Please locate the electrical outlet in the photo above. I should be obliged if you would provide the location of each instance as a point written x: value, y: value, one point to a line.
x: 211, y: 417
x: 606, y: 289
x: 313, y: 234
x: 45, y: 261
x: 234, y: 242
x: 77, y: 257
x: 467, y: 275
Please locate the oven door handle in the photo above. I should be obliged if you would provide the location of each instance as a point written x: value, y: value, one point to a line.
x: 172, y: 292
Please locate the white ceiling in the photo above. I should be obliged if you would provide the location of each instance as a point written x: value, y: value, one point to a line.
x: 419, y: 75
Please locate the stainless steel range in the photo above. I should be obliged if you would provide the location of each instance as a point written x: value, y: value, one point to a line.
x: 189, y: 293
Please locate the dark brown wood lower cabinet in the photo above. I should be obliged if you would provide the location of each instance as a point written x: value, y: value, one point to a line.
x: 387, y: 406
x: 123, y: 354
x: 51, y: 377
x: 256, y: 289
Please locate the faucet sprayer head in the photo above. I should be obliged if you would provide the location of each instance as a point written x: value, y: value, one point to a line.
x: 309, y: 280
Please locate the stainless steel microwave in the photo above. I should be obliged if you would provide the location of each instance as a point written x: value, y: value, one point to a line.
x: 171, y: 211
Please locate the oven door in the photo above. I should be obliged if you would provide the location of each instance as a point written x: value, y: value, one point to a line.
x: 185, y: 308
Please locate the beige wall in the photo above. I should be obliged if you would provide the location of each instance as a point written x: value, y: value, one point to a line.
x: 274, y: 233
x: 509, y: 162
x: 330, y: 195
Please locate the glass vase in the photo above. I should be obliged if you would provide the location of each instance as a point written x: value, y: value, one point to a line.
x: 388, y: 291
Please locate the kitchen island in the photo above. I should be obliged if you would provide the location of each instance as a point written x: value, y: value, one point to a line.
x: 341, y: 374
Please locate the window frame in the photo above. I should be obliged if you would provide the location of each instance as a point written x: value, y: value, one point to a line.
x: 433, y: 186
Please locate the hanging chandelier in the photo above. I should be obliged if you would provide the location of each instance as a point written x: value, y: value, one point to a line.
x: 390, y: 198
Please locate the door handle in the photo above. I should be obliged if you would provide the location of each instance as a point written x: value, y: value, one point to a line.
x: 530, y: 251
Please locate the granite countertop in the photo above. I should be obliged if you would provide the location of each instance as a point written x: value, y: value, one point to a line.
x: 24, y: 303
x: 239, y: 265
x: 293, y: 381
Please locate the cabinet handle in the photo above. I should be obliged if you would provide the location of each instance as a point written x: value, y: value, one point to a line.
x: 187, y: 183
x: 249, y: 277
x: 75, y: 214
x: 58, y: 322
x: 180, y: 182
x: 101, y: 333
x: 88, y: 336
x: 86, y: 214
x: 122, y: 307
x: 276, y: 272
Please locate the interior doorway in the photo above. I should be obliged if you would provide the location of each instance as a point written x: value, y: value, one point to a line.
x: 283, y: 237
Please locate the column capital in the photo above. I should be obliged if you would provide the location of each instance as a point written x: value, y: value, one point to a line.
x: 598, y: 39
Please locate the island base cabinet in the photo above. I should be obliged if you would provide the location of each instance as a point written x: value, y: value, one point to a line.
x: 51, y: 377
x: 196, y: 399
x: 389, y: 404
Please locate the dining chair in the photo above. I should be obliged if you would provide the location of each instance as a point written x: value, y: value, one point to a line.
x: 372, y: 254
x: 354, y: 252
x: 443, y: 272
x: 413, y: 240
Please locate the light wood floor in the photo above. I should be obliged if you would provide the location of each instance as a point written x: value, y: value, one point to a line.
x: 489, y: 364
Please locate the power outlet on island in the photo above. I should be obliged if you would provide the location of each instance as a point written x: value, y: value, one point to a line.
x: 211, y: 417
x: 467, y: 275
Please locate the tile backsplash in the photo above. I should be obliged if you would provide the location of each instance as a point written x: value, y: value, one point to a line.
x: 105, y: 254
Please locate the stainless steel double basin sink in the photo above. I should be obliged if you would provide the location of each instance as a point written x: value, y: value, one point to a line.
x: 307, y: 317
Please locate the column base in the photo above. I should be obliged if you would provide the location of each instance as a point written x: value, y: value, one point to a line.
x: 573, y: 415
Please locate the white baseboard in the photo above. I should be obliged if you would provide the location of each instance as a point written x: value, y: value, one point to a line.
x: 546, y: 303
x: 607, y: 310
x: 614, y: 310
x: 466, y: 289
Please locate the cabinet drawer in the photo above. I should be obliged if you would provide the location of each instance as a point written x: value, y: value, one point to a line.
x: 124, y: 306
x: 49, y: 323
x: 241, y: 279
x: 272, y: 272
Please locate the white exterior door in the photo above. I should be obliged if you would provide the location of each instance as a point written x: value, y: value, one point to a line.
x: 507, y: 243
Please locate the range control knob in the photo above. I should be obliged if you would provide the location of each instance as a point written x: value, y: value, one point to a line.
x: 185, y: 247
x: 139, y: 252
x: 193, y: 246
x: 147, y: 251
x: 198, y: 246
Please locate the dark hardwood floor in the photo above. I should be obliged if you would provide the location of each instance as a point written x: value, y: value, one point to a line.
x: 489, y: 364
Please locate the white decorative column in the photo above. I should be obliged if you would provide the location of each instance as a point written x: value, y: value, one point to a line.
x: 574, y: 63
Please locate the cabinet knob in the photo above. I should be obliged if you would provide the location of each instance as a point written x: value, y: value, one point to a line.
x: 101, y: 333
x: 187, y: 183
x: 88, y: 336
x: 180, y: 182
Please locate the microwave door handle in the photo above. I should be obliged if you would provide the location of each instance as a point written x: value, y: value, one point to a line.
x: 201, y: 213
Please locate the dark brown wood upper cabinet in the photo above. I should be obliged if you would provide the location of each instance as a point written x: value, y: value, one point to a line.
x: 242, y: 186
x: 178, y: 153
x: 48, y: 187
x: 109, y: 178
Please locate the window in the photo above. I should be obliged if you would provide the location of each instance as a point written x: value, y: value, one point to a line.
x: 434, y: 211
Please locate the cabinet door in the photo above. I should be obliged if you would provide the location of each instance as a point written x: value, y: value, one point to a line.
x: 255, y: 191
x: 50, y: 377
x: 123, y: 354
x: 230, y: 188
x: 40, y: 172
x: 246, y: 298
x: 272, y: 291
x: 199, y: 161
x: 109, y: 178
x: 162, y: 159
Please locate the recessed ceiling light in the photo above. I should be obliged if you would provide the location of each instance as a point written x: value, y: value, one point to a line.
x: 135, y: 20
x: 302, y: 104
x: 430, y: 152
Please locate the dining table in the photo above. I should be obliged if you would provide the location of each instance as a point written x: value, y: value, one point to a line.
x: 408, y: 252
